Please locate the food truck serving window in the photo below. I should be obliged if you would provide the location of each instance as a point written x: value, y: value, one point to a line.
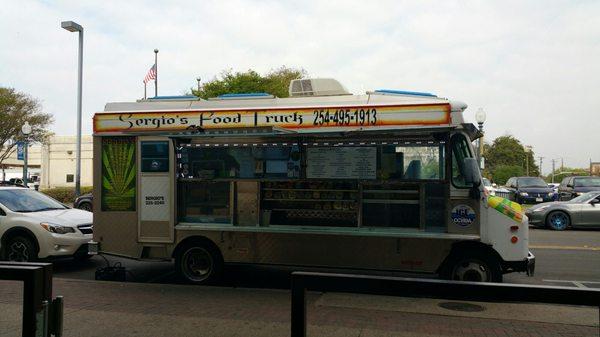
x: 300, y: 183
x: 233, y: 162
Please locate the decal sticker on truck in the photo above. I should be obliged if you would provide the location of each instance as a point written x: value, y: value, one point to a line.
x: 463, y: 215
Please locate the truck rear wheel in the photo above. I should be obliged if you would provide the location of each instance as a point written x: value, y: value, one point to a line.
x: 472, y: 267
x: 199, y: 263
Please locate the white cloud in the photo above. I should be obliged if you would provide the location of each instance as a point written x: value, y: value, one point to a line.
x: 531, y: 65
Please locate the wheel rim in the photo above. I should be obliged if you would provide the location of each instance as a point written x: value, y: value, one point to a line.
x: 85, y: 207
x: 197, y: 264
x: 559, y: 220
x: 471, y: 270
x: 18, y: 252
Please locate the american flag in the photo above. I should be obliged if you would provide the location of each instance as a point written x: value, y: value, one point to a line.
x: 151, y: 74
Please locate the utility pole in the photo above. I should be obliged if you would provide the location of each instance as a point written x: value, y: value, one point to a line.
x: 553, y: 170
x: 562, y: 164
x: 541, y: 160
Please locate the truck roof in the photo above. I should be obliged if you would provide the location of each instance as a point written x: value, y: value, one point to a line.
x: 377, y: 110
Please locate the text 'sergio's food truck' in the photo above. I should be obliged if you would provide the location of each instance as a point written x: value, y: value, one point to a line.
x: 324, y: 178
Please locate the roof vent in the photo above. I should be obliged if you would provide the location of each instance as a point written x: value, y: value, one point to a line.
x: 317, y: 87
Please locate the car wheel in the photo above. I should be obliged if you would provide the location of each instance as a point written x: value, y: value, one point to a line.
x: 86, y: 206
x: 558, y: 220
x: 20, y: 249
x: 472, y: 267
x: 199, y: 263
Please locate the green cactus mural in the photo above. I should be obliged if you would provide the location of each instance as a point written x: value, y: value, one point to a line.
x: 118, y: 174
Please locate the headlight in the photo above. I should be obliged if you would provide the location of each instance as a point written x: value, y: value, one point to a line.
x: 57, y: 229
x: 523, y: 194
x: 543, y: 208
x: 551, y: 194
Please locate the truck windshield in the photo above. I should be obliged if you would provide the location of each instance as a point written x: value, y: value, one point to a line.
x: 26, y: 200
x: 460, y: 151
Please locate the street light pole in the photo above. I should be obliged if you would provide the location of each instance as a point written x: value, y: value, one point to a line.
x: 74, y: 27
x: 480, y: 118
x: 26, y: 130
x: 198, y: 79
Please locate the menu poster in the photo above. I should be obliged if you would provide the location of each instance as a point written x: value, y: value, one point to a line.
x: 341, y: 162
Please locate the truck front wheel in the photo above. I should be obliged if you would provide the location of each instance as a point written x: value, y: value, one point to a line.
x: 199, y: 263
x: 472, y: 267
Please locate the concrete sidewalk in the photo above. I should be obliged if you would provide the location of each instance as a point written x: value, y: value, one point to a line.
x: 94, y: 308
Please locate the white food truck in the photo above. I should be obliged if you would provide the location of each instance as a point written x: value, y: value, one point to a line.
x: 323, y: 178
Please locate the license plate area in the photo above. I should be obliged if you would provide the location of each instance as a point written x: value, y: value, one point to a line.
x: 93, y: 248
x: 539, y: 199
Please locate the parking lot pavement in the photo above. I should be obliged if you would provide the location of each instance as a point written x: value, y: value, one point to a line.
x: 95, y: 308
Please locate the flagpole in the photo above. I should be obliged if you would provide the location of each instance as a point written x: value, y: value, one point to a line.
x: 144, y: 89
x: 156, y: 69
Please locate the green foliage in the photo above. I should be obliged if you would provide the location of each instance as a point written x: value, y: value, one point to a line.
x: 276, y: 82
x: 506, y: 154
x: 561, y: 173
x: 503, y: 172
x: 15, y: 109
x: 65, y: 195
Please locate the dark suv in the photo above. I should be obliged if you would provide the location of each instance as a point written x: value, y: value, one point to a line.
x: 571, y: 187
x: 529, y: 190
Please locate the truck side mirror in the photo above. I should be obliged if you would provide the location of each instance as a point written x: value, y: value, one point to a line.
x: 472, y: 175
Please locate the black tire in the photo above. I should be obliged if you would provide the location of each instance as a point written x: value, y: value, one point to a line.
x: 86, y: 206
x: 558, y: 220
x: 199, y: 263
x: 474, y: 266
x: 19, y: 249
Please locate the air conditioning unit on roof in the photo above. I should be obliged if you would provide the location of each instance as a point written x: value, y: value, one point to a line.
x: 317, y: 87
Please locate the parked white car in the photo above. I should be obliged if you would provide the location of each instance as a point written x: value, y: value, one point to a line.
x: 35, y: 226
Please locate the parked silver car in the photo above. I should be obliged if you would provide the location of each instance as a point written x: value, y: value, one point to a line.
x: 580, y: 212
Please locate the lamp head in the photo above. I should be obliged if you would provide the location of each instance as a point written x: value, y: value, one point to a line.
x: 71, y: 26
x: 26, y: 128
x: 480, y: 116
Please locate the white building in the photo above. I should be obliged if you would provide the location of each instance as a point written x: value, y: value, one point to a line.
x: 54, y: 162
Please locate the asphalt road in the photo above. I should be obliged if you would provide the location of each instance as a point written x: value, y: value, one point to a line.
x: 568, y: 258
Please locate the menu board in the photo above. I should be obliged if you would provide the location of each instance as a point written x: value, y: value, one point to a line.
x: 341, y: 162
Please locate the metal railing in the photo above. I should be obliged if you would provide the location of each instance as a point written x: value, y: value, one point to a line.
x: 42, y: 315
x: 430, y: 288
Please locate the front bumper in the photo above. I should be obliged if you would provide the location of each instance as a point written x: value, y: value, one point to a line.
x: 527, y: 265
x: 62, y: 244
x: 536, y: 218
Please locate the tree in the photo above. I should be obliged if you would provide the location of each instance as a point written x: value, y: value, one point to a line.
x: 505, y: 155
x: 276, y: 82
x: 503, y: 172
x: 15, y: 109
x: 561, y: 173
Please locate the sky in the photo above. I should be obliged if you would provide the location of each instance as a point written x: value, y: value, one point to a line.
x: 532, y: 66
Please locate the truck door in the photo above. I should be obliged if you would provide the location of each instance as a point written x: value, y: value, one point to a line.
x: 156, y: 188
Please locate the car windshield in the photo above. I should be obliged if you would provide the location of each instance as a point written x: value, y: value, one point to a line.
x: 587, y: 182
x: 532, y: 182
x: 584, y: 197
x: 26, y: 200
